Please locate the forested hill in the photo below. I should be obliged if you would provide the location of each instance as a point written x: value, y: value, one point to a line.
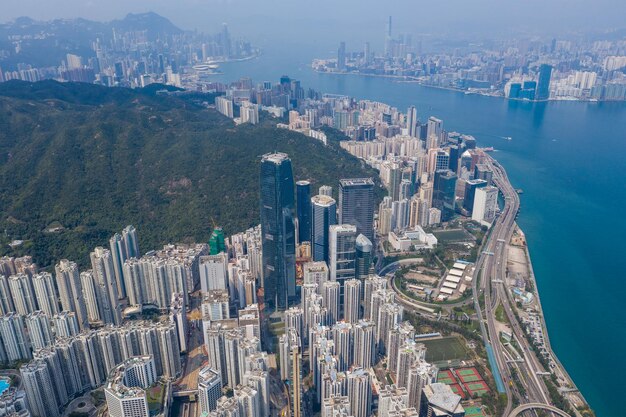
x: 89, y: 160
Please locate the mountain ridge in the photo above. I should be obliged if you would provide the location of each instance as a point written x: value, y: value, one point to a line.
x: 107, y: 157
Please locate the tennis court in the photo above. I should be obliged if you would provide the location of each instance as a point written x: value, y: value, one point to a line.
x: 456, y: 388
x: 468, y: 374
x: 474, y: 412
x: 479, y: 388
x: 446, y: 377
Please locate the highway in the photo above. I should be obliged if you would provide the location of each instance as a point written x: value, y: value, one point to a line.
x: 494, y: 269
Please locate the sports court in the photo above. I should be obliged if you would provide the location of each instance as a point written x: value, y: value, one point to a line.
x: 468, y: 374
x: 456, y: 388
x: 479, y: 388
x: 446, y: 377
x: 474, y: 411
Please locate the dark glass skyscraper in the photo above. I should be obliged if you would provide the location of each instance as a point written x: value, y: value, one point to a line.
x: 278, y: 230
x: 356, y: 205
x: 303, y: 195
x: 543, y: 83
x: 363, y: 257
x: 444, y: 192
x: 323, y: 215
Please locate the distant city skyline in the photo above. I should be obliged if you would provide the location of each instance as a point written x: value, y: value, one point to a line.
x: 481, y: 17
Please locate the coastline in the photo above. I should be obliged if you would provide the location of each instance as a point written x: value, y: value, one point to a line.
x: 412, y: 80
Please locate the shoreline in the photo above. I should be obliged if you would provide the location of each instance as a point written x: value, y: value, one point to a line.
x: 411, y: 80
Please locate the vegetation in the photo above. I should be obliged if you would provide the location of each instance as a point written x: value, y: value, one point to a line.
x: 93, y: 159
x: 98, y: 398
x: 500, y: 314
x: 555, y: 396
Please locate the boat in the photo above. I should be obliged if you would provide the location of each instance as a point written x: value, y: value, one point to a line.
x: 519, y: 191
x: 488, y: 149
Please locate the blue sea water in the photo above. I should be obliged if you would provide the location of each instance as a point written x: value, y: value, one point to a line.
x: 570, y: 160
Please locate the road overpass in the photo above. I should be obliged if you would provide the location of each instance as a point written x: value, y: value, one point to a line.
x: 537, y: 406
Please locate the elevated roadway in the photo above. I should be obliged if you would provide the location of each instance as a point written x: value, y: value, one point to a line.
x: 537, y: 406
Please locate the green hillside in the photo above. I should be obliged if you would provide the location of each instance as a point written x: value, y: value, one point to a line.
x: 92, y: 160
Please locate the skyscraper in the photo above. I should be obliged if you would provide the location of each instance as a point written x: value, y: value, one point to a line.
x: 342, y: 252
x: 23, y: 294
x: 364, y: 339
x: 444, y: 193
x: 38, y: 385
x: 470, y: 191
x: 435, y: 128
x: 341, y: 56
x: 411, y: 122
x: 303, y: 195
x: 356, y: 205
x: 330, y: 300
x: 360, y: 392
x: 118, y: 252
x: 106, y: 291
x: 278, y: 229
x: 388, y: 39
x: 326, y: 190
x: 485, y: 205
x: 209, y: 389
x: 71, y: 290
x: 6, y: 300
x: 352, y: 303
x: 363, y: 256
x: 543, y: 83
x: 13, y: 337
x: 39, y: 330
x: 123, y: 246
x: 323, y: 215
x: 45, y: 293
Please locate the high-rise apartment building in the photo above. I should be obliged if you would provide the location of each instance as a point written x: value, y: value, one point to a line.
x: 13, y: 338
x: 209, y: 389
x: 23, y: 294
x: 39, y: 330
x: 352, y: 300
x: 38, y: 384
x: 45, y: 293
x: 71, y: 291
x: 106, y: 285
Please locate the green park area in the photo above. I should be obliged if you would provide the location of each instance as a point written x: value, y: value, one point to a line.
x: 445, y: 349
x: 453, y: 235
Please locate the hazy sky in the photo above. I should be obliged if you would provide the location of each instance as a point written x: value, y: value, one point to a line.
x: 350, y: 19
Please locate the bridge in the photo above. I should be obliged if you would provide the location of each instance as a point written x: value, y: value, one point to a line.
x: 537, y: 406
x: 189, y: 395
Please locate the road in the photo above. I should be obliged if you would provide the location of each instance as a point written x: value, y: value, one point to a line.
x: 493, y: 261
x: 196, y: 358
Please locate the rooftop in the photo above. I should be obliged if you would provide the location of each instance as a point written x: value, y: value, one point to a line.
x: 276, y: 158
x: 347, y: 182
x: 323, y: 200
x: 441, y: 396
